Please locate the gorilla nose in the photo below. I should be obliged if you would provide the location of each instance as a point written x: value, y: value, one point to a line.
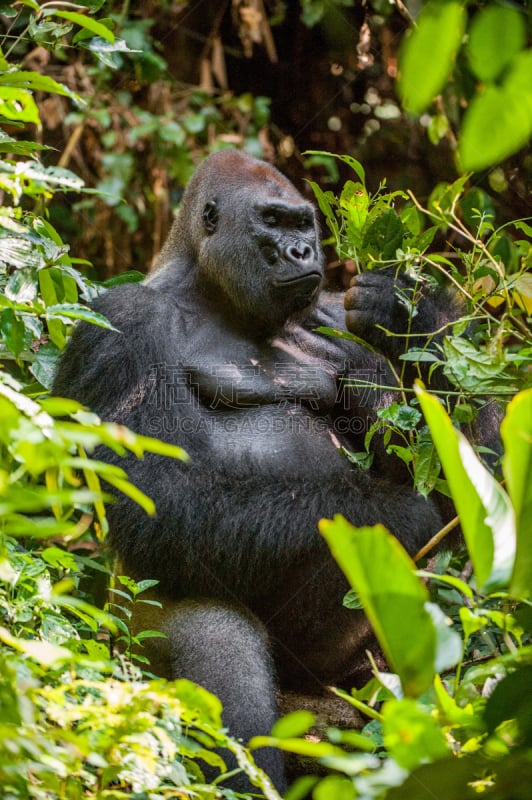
x: 299, y: 254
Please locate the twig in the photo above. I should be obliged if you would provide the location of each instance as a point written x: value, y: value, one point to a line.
x: 437, y: 538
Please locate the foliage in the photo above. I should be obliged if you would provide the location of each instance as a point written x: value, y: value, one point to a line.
x: 485, y: 355
x: 454, y: 716
x: 490, y: 67
x: 134, y: 132
x: 77, y: 717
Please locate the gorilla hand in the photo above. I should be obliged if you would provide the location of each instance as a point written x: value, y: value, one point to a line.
x: 382, y: 308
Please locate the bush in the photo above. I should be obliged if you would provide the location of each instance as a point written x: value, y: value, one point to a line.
x: 76, y: 717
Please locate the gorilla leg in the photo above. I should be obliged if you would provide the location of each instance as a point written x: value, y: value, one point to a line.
x: 223, y: 648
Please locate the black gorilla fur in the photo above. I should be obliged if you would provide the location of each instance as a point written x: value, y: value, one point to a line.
x: 217, y: 351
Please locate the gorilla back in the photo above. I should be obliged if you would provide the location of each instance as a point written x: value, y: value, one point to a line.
x: 218, y: 352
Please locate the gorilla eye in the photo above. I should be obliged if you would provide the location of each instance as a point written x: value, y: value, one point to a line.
x: 270, y: 219
x: 305, y: 223
x: 210, y: 216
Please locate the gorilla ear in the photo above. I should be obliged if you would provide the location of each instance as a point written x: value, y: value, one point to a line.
x: 210, y: 216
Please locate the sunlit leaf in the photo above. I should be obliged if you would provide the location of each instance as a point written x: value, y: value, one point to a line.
x: 295, y: 724
x: 428, y: 52
x: 516, y: 431
x: 411, y: 734
x: 496, y: 34
x: 509, y: 122
x: 18, y: 105
x: 78, y: 311
x: 382, y: 574
x: 84, y: 21
x: 486, y: 514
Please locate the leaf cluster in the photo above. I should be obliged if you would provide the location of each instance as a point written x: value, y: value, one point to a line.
x: 483, y: 46
x: 77, y: 717
x: 453, y: 716
x: 485, y: 355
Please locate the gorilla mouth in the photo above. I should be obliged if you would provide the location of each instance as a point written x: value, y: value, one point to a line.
x: 313, y: 279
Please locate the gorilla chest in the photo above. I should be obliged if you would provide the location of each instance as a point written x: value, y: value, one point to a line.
x: 237, y: 375
x: 268, y: 406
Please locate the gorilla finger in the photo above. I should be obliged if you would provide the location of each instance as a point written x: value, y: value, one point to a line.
x: 357, y: 321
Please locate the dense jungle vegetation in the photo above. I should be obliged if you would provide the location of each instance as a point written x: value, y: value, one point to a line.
x: 408, y: 122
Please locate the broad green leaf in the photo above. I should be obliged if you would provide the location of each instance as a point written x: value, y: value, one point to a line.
x: 383, y: 235
x: 448, y: 641
x: 516, y: 431
x: 45, y: 653
x: 507, y: 117
x: 325, y: 201
x: 452, y: 778
x: 302, y: 747
x: 382, y: 574
x: 44, y: 367
x: 18, y: 105
x: 355, y: 202
x: 12, y: 331
x: 427, y: 54
x: 512, y: 699
x: 496, y: 34
x: 84, y: 21
x: 295, y: 724
x: 355, y: 165
x: 77, y: 311
x: 411, y: 735
x: 57, y: 557
x: 35, y: 82
x: 486, y: 514
x: 10, y: 145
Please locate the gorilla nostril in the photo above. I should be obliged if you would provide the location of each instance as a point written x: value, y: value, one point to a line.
x: 299, y: 252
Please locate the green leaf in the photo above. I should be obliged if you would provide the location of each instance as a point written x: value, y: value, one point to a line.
x: 355, y: 165
x: 18, y: 105
x: 84, y: 22
x: 453, y: 778
x: 133, y: 493
x: 35, y: 82
x: 485, y: 511
x: 295, y: 724
x: 496, y: 34
x: 302, y: 747
x: 507, y: 117
x: 448, y: 641
x: 10, y: 145
x: 411, y: 734
x: 62, y: 559
x: 512, y: 699
x: 427, y: 54
x: 77, y: 311
x: 382, y: 574
x: 44, y: 367
x: 45, y: 653
x: 326, y: 201
x: 12, y: 330
x: 516, y: 431
x: 383, y: 235
x: 354, y: 200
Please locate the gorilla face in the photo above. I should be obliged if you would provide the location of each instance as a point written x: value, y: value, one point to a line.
x: 259, y: 244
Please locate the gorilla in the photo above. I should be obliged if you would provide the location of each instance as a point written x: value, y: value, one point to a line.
x: 220, y: 352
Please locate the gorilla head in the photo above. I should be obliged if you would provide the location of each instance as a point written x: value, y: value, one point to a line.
x: 252, y: 239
